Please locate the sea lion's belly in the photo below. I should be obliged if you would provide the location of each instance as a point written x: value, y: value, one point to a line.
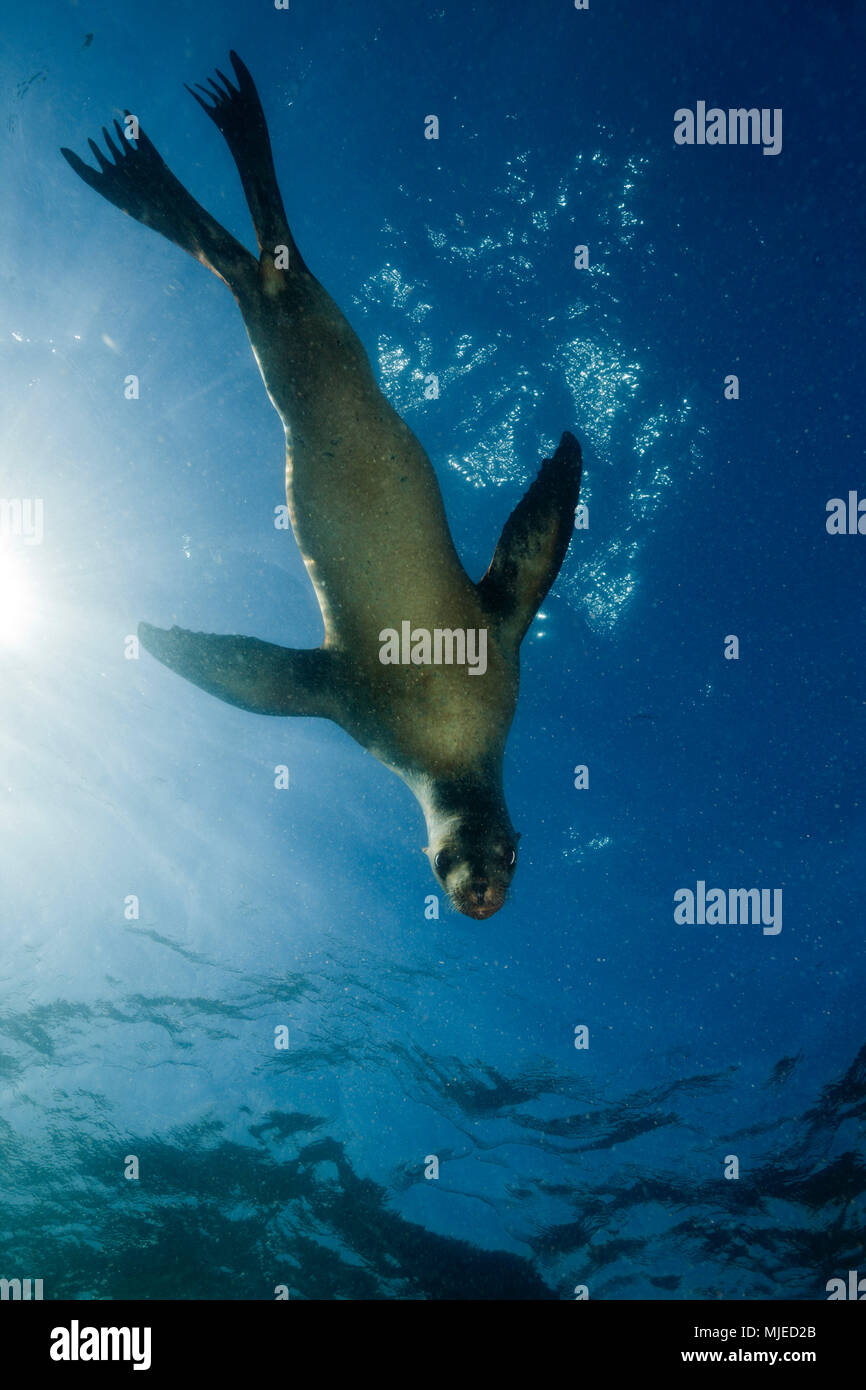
x: 363, y: 498
x: 370, y: 523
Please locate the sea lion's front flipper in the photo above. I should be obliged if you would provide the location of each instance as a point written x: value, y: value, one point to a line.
x: 533, y: 542
x: 247, y: 672
x: 139, y: 182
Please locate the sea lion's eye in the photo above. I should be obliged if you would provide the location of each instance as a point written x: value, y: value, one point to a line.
x: 440, y: 863
x: 510, y: 857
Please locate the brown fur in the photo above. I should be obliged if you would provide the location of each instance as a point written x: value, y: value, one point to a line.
x: 369, y: 519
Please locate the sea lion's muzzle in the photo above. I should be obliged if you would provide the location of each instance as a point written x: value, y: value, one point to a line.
x: 480, y: 900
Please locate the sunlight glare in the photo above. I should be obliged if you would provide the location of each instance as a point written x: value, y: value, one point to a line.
x: 17, y: 605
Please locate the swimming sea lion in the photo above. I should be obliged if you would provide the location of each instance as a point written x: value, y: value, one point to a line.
x: 368, y: 517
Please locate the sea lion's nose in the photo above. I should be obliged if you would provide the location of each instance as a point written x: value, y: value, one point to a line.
x: 479, y: 905
x: 479, y: 893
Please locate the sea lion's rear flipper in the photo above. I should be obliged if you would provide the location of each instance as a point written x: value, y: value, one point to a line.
x: 244, y: 671
x: 237, y: 113
x: 139, y: 182
x: 533, y: 542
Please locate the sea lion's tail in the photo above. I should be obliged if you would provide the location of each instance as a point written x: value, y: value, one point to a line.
x: 238, y: 116
x: 139, y: 182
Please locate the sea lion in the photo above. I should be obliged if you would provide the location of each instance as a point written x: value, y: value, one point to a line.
x: 368, y: 517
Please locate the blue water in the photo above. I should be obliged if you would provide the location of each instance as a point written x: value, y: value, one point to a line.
x: 153, y: 1036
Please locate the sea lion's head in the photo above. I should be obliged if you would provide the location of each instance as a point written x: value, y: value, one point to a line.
x: 473, y: 856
